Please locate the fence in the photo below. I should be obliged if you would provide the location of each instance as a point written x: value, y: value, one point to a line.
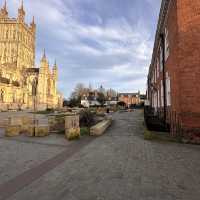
x: 173, y: 124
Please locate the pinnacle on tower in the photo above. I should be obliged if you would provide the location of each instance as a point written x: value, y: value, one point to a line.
x: 44, y: 56
x: 55, y: 65
x: 5, y: 5
x: 33, y: 20
x: 33, y: 25
x: 55, y: 70
x: 4, y: 11
x: 22, y: 6
x: 21, y: 12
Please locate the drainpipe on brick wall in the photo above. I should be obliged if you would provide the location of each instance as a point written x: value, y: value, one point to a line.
x: 164, y: 78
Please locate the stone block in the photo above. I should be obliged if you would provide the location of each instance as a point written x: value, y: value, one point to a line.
x: 71, y: 121
x: 56, y: 123
x: 27, y: 120
x: 100, y: 128
x: 12, y: 130
x: 41, y: 130
x: 3, y: 107
x: 15, y: 121
x: 4, y: 123
x: 28, y: 130
x: 72, y: 133
x: 72, y: 127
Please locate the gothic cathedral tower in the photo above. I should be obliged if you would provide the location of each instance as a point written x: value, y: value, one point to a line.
x: 22, y: 84
x: 17, y: 39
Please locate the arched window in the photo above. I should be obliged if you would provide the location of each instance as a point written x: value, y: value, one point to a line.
x: 34, y: 87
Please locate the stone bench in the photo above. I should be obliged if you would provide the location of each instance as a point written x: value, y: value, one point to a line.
x: 100, y: 128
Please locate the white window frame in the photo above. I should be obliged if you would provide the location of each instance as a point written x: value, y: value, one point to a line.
x: 168, y: 89
x: 159, y: 98
x: 162, y: 93
x: 155, y: 76
x: 161, y: 58
x: 158, y: 68
x: 166, y: 44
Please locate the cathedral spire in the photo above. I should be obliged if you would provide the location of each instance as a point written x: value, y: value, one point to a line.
x: 21, y: 12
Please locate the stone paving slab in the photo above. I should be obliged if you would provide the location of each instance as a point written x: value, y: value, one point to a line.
x: 121, y: 165
x: 14, y: 185
x: 17, y: 157
x: 51, y: 140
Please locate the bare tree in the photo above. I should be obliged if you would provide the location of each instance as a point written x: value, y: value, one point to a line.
x: 79, y: 90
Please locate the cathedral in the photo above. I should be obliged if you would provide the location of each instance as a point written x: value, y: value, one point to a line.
x: 22, y: 85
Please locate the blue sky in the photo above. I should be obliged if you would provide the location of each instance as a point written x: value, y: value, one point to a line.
x: 97, y: 42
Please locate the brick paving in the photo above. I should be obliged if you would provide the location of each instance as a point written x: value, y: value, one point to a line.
x: 120, y: 165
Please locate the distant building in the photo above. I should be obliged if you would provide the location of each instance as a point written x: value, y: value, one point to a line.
x: 22, y: 85
x: 174, y: 74
x: 91, y: 97
x: 142, y: 98
x: 129, y: 99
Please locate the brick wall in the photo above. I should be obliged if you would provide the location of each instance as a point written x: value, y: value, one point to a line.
x: 188, y: 17
x: 171, y: 64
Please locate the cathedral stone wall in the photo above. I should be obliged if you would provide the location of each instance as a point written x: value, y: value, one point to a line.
x: 22, y: 85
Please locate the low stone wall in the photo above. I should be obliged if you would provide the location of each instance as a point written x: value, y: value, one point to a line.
x: 56, y: 123
x: 29, y: 126
x: 100, y: 128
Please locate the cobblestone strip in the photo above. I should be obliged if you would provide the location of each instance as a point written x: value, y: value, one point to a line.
x: 14, y: 185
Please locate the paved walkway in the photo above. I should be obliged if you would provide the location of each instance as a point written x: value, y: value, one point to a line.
x: 120, y: 165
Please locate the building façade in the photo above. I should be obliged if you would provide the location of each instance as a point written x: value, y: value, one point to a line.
x: 174, y: 74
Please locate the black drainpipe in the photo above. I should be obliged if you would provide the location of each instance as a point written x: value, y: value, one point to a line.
x: 164, y: 77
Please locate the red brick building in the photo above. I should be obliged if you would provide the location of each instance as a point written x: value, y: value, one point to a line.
x: 174, y: 73
x: 129, y: 99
